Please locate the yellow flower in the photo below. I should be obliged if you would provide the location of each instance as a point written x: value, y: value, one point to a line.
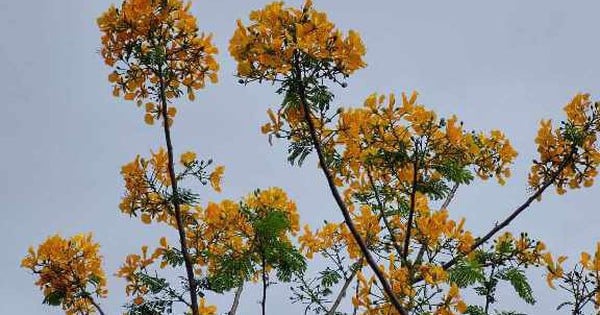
x: 215, y: 178
x: 188, y: 158
x: 167, y: 30
x: 139, y: 194
x: 267, y: 46
x: 568, y: 155
x: 206, y: 309
x: 70, y: 268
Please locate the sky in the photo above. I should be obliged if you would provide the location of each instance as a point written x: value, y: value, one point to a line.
x: 503, y: 64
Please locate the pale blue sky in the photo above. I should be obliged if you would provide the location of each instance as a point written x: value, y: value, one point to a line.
x: 502, y: 64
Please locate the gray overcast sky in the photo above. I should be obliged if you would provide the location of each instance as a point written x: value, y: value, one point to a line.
x: 502, y: 64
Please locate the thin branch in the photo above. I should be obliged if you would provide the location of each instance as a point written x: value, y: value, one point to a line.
x: 84, y: 292
x: 420, y: 254
x: 356, y: 291
x: 336, y: 195
x: 383, y: 215
x: 342, y: 293
x: 180, y: 226
x: 450, y: 196
x: 96, y: 305
x: 314, y: 298
x: 489, y: 293
x: 236, y: 300
x: 413, y: 196
x: 178, y: 296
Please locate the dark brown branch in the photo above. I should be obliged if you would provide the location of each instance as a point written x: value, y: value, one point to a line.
x: 265, y: 283
x: 336, y: 194
x: 356, y: 290
x: 96, y: 305
x: 175, y: 195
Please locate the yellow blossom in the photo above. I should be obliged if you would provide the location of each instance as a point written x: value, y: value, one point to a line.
x: 215, y: 178
x: 188, y: 158
x: 267, y: 46
x: 166, y: 31
x: 68, y: 268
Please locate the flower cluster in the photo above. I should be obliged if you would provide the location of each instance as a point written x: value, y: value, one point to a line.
x: 452, y: 302
x: 555, y: 268
x: 382, y: 134
x: 134, y: 264
x: 569, y: 154
x: 435, y: 228
x: 435, y: 276
x: 591, y: 264
x: 69, y: 272
x: 156, y: 51
x: 525, y: 250
x: 278, y: 37
x: 147, y: 182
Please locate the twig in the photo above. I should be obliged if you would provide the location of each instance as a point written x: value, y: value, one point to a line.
x: 342, y: 293
x: 450, y: 196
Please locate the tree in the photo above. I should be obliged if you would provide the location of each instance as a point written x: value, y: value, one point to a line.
x: 392, y: 167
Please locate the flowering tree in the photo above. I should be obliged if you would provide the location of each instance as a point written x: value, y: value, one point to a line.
x: 392, y: 167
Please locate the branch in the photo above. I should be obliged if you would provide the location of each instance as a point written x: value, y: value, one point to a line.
x: 413, y: 195
x: 236, y: 300
x: 342, y: 293
x: 265, y: 283
x: 314, y: 298
x: 180, y: 227
x: 96, y: 305
x: 336, y: 195
x: 383, y: 216
x: 84, y: 292
x: 450, y: 196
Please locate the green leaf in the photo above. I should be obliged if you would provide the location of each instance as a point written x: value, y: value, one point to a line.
x: 519, y: 282
x: 475, y: 310
x: 54, y: 298
x: 466, y: 273
x: 454, y: 172
x: 329, y: 277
